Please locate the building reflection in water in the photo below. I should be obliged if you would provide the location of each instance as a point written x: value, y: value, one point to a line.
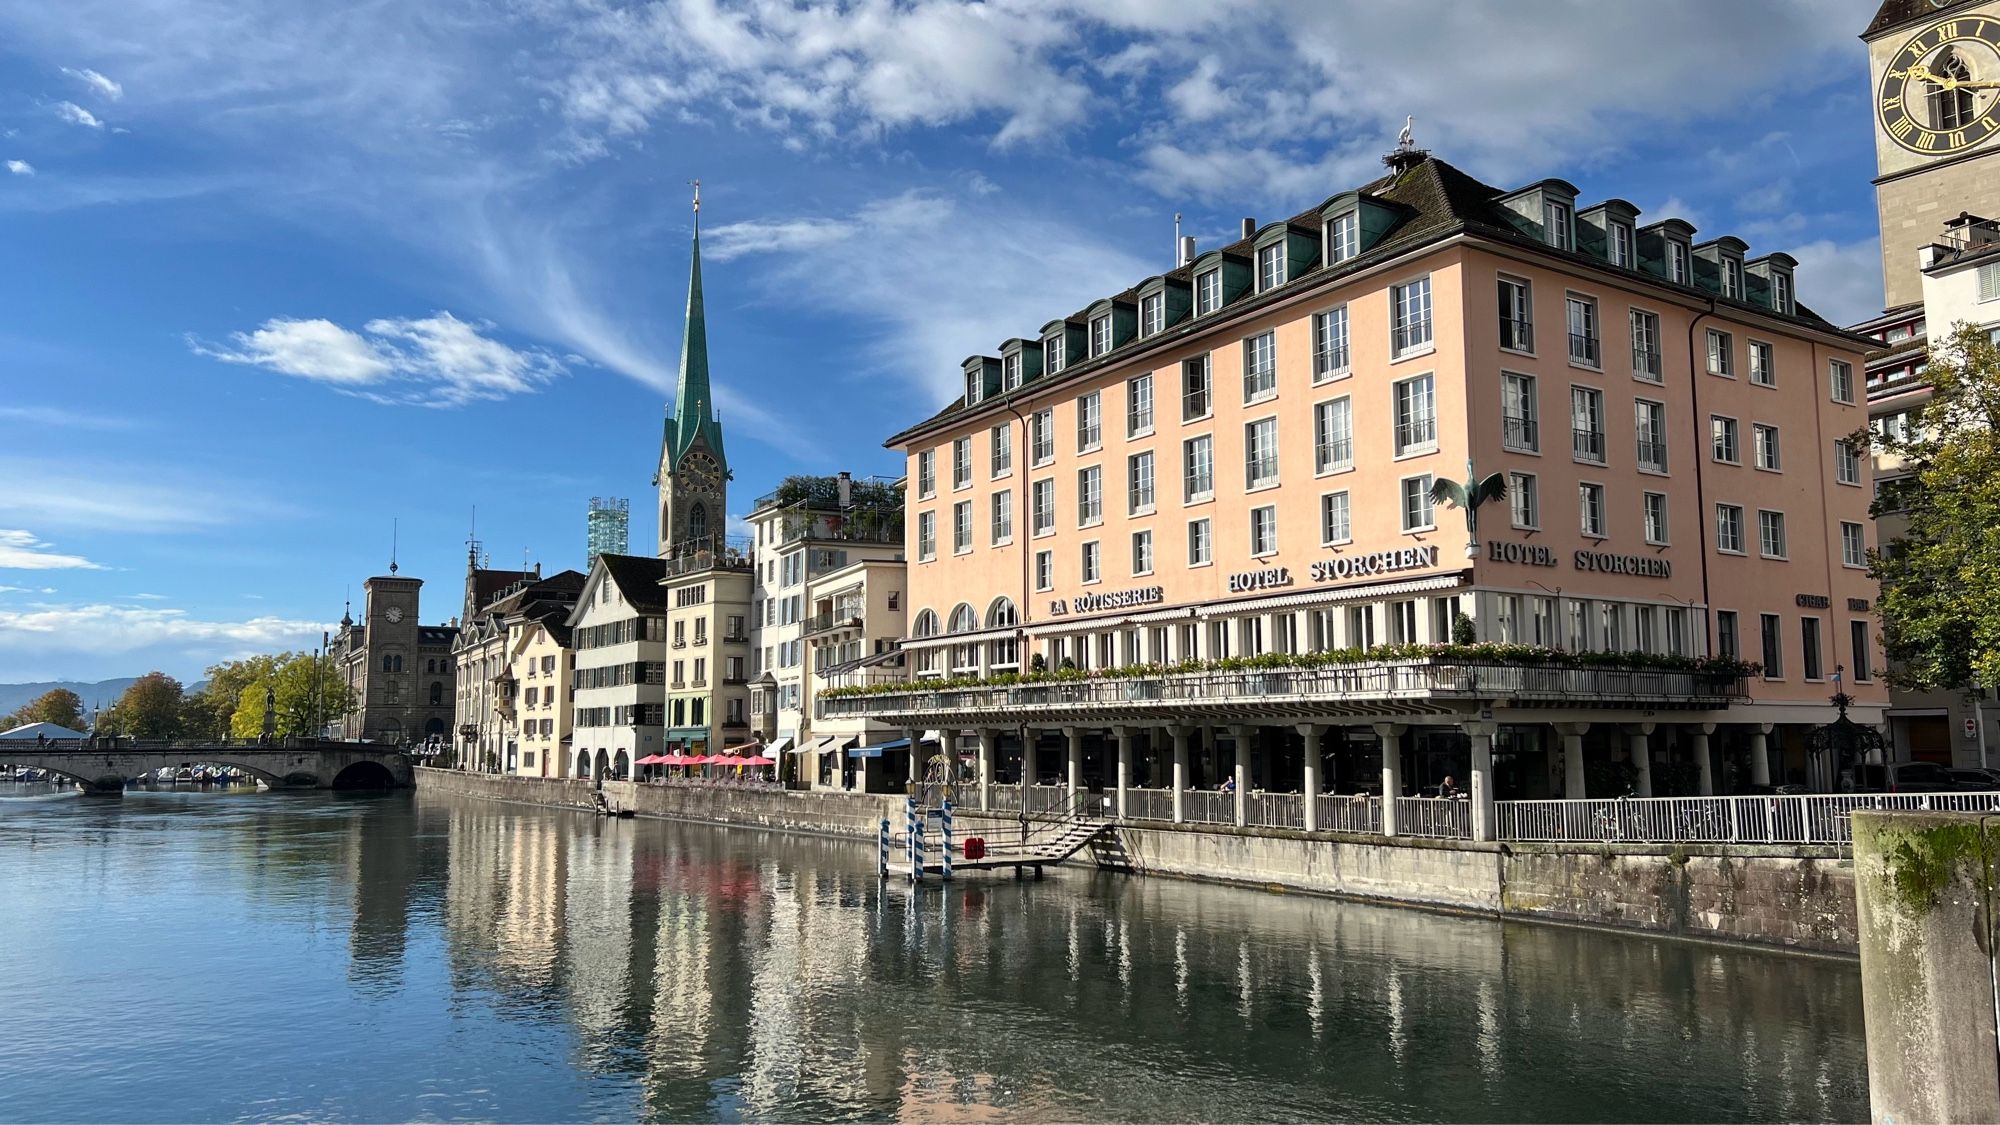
x: 738, y: 975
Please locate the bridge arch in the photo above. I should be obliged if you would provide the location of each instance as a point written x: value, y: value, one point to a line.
x: 365, y: 774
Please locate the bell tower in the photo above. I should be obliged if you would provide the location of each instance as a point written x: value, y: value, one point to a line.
x: 693, y: 476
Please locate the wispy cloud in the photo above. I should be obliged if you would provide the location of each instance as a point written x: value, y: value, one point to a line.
x: 20, y: 550
x: 77, y: 115
x: 106, y: 496
x: 99, y: 84
x: 27, y: 589
x: 67, y: 419
x: 437, y: 360
x: 44, y: 639
x: 20, y: 168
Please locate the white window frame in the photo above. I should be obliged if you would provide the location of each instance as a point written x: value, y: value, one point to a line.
x: 1524, y: 501
x: 961, y: 528
x: 1260, y: 453
x: 1089, y: 421
x: 1412, y: 319
x: 1208, y: 291
x: 1422, y: 496
x: 1647, y: 364
x: 1260, y: 367
x: 1336, y: 519
x: 1593, y: 336
x: 1580, y: 394
x: 1055, y: 348
x: 1141, y: 483
x: 1721, y: 360
x: 1343, y: 237
x: 1042, y: 508
x: 1042, y: 438
x: 1734, y: 432
x: 961, y: 464
x: 1592, y: 519
x: 1333, y: 436
x: 1766, y: 448
x: 1100, y: 335
x: 1846, y: 463
x: 1205, y: 366
x: 1653, y: 434
x: 926, y: 473
x: 1000, y: 452
x: 1520, y: 432
x: 1090, y: 566
x: 1200, y: 543
x: 1763, y: 374
x: 1152, y: 314
x: 1263, y: 525
x: 1332, y: 355
x: 1853, y: 535
x: 1198, y: 452
x: 1003, y: 517
x: 1839, y: 375
x: 1045, y: 570
x: 1517, y: 319
x: 1620, y: 242
x: 1090, y: 496
x: 1763, y: 544
x: 1413, y: 431
x: 1271, y: 266
x: 1730, y: 527
x: 926, y: 536
x: 1655, y: 521
x: 1142, y: 553
x: 1139, y: 405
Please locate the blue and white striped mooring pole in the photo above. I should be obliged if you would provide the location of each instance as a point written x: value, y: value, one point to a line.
x: 912, y: 842
x: 917, y: 855
x: 945, y: 855
x: 885, y: 847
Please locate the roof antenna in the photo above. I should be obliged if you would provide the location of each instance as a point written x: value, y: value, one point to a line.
x: 395, y: 527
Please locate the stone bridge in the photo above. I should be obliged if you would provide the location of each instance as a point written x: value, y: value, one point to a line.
x: 104, y: 765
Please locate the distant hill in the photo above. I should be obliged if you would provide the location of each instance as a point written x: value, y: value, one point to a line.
x: 13, y: 696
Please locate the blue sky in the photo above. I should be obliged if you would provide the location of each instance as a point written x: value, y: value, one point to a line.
x: 276, y: 276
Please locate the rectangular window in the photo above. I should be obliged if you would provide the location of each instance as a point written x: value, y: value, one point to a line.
x: 1139, y: 483
x: 1810, y: 667
x: 1645, y: 622
x: 1556, y: 224
x: 1678, y: 270
x: 1198, y: 468
x: 1092, y: 570
x: 1650, y: 424
x: 1417, y: 514
x: 1343, y: 237
x: 1142, y: 552
x: 1655, y: 508
x: 961, y: 527
x: 1207, y: 291
x: 1194, y: 389
x: 1586, y: 424
x: 1260, y: 367
x: 926, y: 474
x: 926, y: 536
x: 1519, y: 413
x: 1677, y: 632
x: 1729, y: 528
x: 1410, y: 316
x: 1620, y: 243
x: 1263, y: 531
x: 1042, y: 437
x: 1270, y: 267
x: 1859, y: 650
x: 975, y: 385
x: 1100, y: 334
x: 1846, y: 463
x: 1089, y: 496
x: 1335, y: 524
x: 1517, y: 315
x: 1333, y: 435
x: 1722, y: 439
x: 1590, y: 505
x: 1200, y: 544
x: 1853, y: 545
x: 1721, y: 354
x: 1053, y: 353
x: 1732, y: 278
x: 961, y: 463
x: 1646, y: 346
x: 1840, y: 380
x: 1523, y: 496
x: 1781, y: 292
x: 1089, y: 421
x: 1330, y: 359
x: 1583, y: 342
x: 1139, y: 406
x: 1260, y: 453
x: 1763, y: 364
x: 1042, y: 507
x: 1003, y: 451
x: 1764, y: 440
x: 1402, y: 622
x: 1010, y: 371
x: 1045, y: 570
x: 1003, y: 517
x: 1771, y: 534
x: 1416, y: 415
x: 1726, y: 641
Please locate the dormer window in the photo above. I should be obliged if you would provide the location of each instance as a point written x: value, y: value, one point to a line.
x: 1680, y: 265
x: 1781, y: 292
x: 975, y: 386
x: 1270, y: 267
x: 1556, y: 224
x: 1732, y: 278
x: 1010, y: 371
x: 1052, y: 353
x: 1208, y: 291
x: 1618, y: 244
x: 1343, y: 237
x: 1100, y: 335
x: 1152, y: 314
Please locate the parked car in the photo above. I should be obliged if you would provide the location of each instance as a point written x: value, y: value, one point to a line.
x: 1906, y: 777
x: 1976, y: 779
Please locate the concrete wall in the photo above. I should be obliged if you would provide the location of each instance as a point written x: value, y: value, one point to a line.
x: 1800, y: 898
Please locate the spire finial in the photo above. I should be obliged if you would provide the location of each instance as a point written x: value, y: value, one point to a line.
x: 395, y: 528
x: 697, y: 207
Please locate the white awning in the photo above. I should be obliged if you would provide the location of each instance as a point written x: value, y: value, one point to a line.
x: 778, y: 747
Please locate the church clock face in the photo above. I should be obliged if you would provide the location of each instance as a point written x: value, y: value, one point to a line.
x: 1940, y: 93
x: 700, y: 475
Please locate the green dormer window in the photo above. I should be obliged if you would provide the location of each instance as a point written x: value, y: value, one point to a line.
x: 1680, y: 264
x: 1052, y: 353
x: 1208, y: 291
x: 1618, y: 244
x: 1781, y: 292
x: 1010, y: 371
x: 1270, y: 267
x: 1343, y: 237
x: 1556, y: 223
x: 975, y: 386
x: 1732, y: 278
x: 1152, y: 314
x: 1100, y: 335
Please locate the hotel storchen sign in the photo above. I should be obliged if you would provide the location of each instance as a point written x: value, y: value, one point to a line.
x: 1367, y: 566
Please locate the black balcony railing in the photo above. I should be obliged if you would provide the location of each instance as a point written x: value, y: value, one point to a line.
x: 1583, y: 349
x: 1588, y: 445
x: 1646, y: 362
x: 1517, y: 334
x: 832, y: 619
x: 1653, y: 455
x: 1520, y: 433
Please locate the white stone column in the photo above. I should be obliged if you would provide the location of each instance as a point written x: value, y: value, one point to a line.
x: 1311, y: 732
x: 1760, y: 754
x: 989, y: 741
x: 1483, y: 820
x: 1574, y: 787
x: 1073, y: 759
x: 1391, y: 735
x: 1642, y: 759
x: 1124, y: 737
x: 1029, y: 738
x: 1239, y: 736
x: 1180, y: 737
x: 1698, y: 735
x: 916, y: 738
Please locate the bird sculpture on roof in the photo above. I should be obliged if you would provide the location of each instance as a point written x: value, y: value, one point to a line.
x: 1408, y: 137
x: 1468, y: 496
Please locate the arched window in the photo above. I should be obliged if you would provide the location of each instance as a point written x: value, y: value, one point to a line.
x: 437, y: 694
x: 928, y: 659
x: 927, y: 624
x: 388, y: 663
x: 1002, y: 653
x: 698, y: 521
x: 963, y: 619
x: 964, y: 657
x: 1950, y: 108
x: 1001, y: 613
x: 399, y: 663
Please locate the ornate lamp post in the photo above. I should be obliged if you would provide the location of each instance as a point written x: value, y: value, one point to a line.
x: 1845, y: 743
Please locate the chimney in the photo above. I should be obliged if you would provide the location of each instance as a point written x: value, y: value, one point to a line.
x: 846, y: 484
x: 1187, y: 251
x: 1249, y: 226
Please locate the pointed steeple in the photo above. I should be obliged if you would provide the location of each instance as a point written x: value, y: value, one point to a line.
x: 694, y: 400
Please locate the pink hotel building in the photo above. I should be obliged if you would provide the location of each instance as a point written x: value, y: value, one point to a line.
x: 1206, y: 493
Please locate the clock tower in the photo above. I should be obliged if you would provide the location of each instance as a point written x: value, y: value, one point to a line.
x: 1934, y: 70
x: 693, y: 476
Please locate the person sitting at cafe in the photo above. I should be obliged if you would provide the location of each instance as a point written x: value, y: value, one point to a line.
x: 1450, y: 788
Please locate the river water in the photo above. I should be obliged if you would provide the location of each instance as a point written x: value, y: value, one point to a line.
x: 175, y: 956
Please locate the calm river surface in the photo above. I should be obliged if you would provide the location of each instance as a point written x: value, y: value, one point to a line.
x: 205, y: 957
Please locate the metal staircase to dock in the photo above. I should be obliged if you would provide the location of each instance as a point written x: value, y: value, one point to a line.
x: 1048, y: 839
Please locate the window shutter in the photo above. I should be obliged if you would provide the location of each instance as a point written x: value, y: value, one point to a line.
x: 1989, y: 282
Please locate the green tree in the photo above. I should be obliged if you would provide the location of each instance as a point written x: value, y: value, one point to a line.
x: 1940, y: 604
x: 150, y: 708
x: 307, y: 698
x: 209, y: 709
x: 60, y: 706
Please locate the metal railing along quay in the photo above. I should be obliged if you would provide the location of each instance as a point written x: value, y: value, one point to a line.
x: 1815, y: 818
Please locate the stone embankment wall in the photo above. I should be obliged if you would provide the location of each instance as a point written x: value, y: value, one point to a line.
x: 1800, y: 898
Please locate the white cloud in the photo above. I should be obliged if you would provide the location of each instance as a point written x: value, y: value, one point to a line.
x: 1841, y: 281
x: 20, y: 168
x: 82, y: 493
x: 148, y: 597
x: 68, y: 419
x: 77, y: 115
x: 68, y: 639
x: 100, y: 85
x: 27, y: 589
x: 437, y: 360
x: 20, y: 550
x: 733, y: 240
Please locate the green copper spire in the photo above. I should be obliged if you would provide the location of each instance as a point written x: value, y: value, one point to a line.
x: 694, y: 401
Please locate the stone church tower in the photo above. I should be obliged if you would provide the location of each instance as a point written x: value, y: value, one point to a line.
x: 693, y: 476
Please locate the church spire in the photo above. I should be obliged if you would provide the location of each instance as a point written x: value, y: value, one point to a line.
x: 694, y: 401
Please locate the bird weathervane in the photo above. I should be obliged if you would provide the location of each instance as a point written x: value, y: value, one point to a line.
x: 1469, y: 496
